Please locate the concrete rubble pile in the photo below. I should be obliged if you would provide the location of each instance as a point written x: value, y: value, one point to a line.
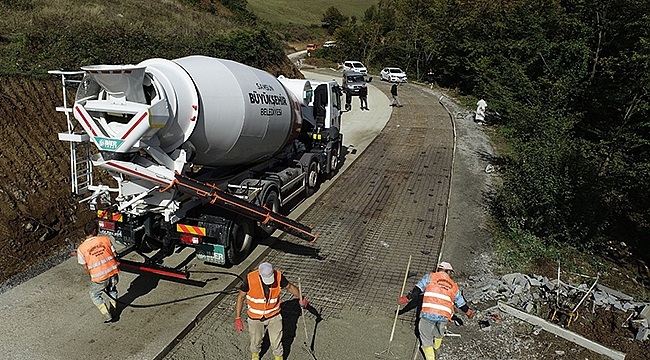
x: 536, y: 294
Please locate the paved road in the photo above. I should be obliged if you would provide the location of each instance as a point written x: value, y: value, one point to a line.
x: 51, y: 316
x: 391, y: 203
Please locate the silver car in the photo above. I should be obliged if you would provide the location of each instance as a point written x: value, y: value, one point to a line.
x: 352, y: 82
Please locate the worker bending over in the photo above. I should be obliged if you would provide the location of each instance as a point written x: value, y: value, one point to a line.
x: 440, y: 295
x: 262, y: 289
x: 97, y: 255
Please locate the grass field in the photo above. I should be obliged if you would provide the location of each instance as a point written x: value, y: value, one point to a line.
x: 308, y: 12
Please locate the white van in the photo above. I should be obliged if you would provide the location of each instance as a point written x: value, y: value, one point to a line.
x: 350, y: 65
x: 328, y: 44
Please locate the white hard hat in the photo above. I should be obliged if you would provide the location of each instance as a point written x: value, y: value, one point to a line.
x: 267, y: 273
x: 445, y: 266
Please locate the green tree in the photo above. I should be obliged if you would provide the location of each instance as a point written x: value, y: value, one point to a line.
x: 333, y: 19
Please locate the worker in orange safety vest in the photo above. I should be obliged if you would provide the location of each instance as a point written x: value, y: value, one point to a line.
x: 97, y: 255
x: 440, y: 295
x: 262, y: 290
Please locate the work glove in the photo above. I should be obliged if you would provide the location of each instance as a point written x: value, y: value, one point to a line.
x: 469, y: 313
x: 402, y: 300
x: 239, y: 326
x: 303, y: 302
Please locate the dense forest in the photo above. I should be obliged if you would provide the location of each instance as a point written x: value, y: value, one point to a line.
x: 570, y: 82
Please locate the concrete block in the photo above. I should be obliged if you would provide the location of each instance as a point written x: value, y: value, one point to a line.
x: 643, y: 323
x: 645, y: 313
x: 529, y: 307
x: 642, y: 334
x: 534, y: 282
x: 628, y: 306
x: 600, y: 298
x: 615, y: 293
x: 550, y: 285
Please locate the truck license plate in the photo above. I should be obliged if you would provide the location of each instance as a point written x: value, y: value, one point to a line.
x: 211, y: 253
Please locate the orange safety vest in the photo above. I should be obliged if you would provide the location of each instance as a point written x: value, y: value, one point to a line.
x: 439, y: 295
x: 100, y: 259
x: 258, y: 306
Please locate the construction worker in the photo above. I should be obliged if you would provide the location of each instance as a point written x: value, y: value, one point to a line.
x: 363, y: 97
x: 481, y: 105
x: 348, y: 100
x: 440, y: 295
x: 393, y: 92
x: 97, y: 255
x: 430, y: 78
x: 262, y: 289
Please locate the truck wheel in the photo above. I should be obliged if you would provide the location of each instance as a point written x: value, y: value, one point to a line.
x: 332, y: 162
x: 271, y: 202
x: 241, y: 239
x: 312, y: 179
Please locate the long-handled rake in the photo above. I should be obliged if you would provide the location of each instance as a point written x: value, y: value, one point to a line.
x: 304, y: 322
x: 392, y: 332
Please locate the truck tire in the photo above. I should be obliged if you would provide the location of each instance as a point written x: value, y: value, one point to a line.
x: 240, y: 239
x: 312, y: 178
x: 333, y: 161
x: 271, y: 202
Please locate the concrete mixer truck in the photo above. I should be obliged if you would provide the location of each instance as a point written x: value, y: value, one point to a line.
x: 202, y: 152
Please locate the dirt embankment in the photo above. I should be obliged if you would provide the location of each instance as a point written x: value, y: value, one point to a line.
x: 37, y: 211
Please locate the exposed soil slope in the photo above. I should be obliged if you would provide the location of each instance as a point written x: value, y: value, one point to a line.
x: 37, y: 211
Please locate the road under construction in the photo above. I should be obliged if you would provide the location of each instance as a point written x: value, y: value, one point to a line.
x: 388, y: 203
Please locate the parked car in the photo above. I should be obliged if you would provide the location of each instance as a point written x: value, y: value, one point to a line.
x: 351, y: 65
x: 311, y: 47
x: 393, y: 74
x: 352, y: 82
x: 329, y: 44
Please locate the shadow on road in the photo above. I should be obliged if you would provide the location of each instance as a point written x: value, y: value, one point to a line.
x: 292, y: 330
x: 293, y: 248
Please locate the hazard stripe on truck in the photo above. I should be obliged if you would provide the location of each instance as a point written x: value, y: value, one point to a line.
x: 188, y: 229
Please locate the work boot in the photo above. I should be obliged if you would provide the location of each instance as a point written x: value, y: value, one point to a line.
x: 112, y: 307
x: 437, y: 342
x: 429, y: 353
x: 104, y: 310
